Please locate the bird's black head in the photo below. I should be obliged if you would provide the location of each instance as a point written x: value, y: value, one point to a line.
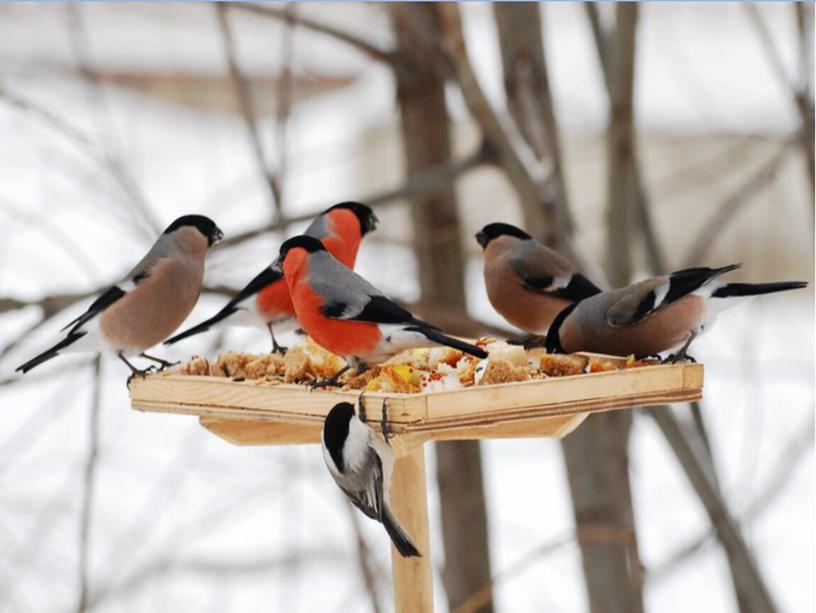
x: 203, y: 224
x: 335, y: 431
x: 495, y: 230
x: 368, y: 220
x: 303, y: 241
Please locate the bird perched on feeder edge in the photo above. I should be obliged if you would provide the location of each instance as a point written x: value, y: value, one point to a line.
x: 264, y: 301
x: 528, y: 283
x: 149, y: 303
x: 654, y: 316
x: 361, y: 464
x: 346, y: 315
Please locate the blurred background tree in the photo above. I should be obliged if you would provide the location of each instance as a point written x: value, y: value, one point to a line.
x: 636, y: 139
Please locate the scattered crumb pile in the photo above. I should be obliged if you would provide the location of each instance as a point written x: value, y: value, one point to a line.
x: 414, y: 370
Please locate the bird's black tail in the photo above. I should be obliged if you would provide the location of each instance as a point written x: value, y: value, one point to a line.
x: 51, y: 353
x: 401, y: 541
x: 754, y: 289
x: 433, y: 334
x: 204, y: 325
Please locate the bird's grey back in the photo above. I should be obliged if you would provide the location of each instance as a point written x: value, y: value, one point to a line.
x: 337, y: 283
x: 318, y: 228
x: 530, y: 259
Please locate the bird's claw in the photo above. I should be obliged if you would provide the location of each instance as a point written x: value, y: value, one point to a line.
x: 386, y: 430
x: 142, y: 374
x: 280, y: 349
x: 529, y: 342
x: 323, y: 383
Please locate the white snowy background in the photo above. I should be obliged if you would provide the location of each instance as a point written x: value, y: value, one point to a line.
x: 183, y: 521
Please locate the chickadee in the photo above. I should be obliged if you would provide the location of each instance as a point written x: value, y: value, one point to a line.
x: 361, y: 463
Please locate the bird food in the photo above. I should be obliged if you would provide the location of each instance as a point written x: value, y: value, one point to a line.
x: 411, y: 371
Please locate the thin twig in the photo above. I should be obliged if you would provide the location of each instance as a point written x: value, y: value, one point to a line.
x: 483, y: 595
x: 369, y: 49
x: 419, y: 184
x: 794, y: 451
x: 751, y: 590
x: 728, y: 208
x: 88, y: 488
x: 247, y: 107
x: 364, y: 559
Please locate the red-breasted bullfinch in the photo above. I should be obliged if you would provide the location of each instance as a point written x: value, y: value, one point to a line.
x: 361, y: 463
x: 149, y: 303
x: 347, y: 315
x: 265, y: 302
x: 654, y: 316
x: 527, y: 283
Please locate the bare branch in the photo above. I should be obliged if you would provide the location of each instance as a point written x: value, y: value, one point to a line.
x: 728, y: 208
x: 515, y: 156
x: 88, y: 488
x: 245, y: 103
x: 422, y: 183
x: 794, y: 451
x: 751, y: 590
x: 364, y: 559
x: 365, y: 47
x: 481, y: 597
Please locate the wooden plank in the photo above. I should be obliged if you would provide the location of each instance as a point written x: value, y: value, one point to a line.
x: 413, y: 585
x: 247, y: 413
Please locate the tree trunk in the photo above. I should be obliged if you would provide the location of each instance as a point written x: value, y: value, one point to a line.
x: 529, y: 99
x: 596, y: 454
x: 426, y: 140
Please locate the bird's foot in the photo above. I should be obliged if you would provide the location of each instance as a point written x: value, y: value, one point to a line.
x: 677, y: 357
x: 280, y: 349
x: 142, y: 374
x: 323, y: 383
x: 333, y: 381
x: 361, y: 410
x: 163, y: 364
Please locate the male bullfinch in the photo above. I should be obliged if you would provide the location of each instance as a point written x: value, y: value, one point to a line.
x: 654, y: 316
x: 265, y: 302
x: 149, y: 303
x: 528, y: 283
x: 361, y: 463
x: 347, y: 315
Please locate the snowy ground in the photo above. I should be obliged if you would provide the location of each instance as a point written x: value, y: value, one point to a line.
x: 184, y: 521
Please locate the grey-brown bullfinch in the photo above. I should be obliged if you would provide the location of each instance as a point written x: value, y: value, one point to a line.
x: 654, y: 316
x: 347, y: 315
x: 265, y: 302
x: 149, y: 303
x: 527, y: 283
x: 361, y: 463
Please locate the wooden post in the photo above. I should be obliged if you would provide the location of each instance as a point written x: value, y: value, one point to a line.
x: 413, y: 587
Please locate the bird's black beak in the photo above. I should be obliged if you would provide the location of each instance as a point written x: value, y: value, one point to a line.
x: 371, y: 223
x: 481, y: 238
x: 216, y: 236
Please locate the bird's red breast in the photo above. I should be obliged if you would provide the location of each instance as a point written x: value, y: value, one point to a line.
x: 342, y: 241
x: 273, y: 301
x: 344, y: 236
x: 345, y: 338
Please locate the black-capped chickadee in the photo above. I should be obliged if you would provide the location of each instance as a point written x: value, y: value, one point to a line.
x: 361, y: 463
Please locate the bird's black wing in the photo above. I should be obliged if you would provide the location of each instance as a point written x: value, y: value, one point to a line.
x: 106, y: 299
x: 577, y: 287
x: 378, y: 309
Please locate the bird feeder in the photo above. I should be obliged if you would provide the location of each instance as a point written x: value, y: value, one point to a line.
x: 246, y: 413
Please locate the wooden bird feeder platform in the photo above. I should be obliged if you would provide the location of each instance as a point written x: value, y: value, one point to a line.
x: 246, y: 413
